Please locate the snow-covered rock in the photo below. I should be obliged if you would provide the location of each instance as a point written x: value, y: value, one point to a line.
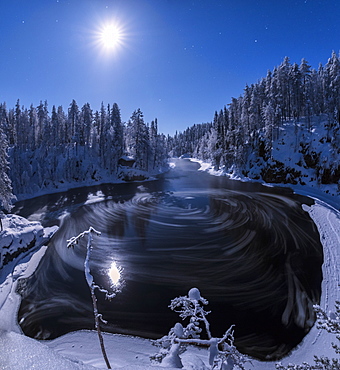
x: 19, y: 235
x: 21, y: 249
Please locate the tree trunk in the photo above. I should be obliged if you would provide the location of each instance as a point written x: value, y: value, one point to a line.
x: 97, y: 325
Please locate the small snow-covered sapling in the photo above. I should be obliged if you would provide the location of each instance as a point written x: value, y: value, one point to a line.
x: 90, y: 282
x: 222, y: 352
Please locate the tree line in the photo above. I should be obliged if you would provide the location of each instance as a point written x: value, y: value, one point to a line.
x: 251, y: 123
x: 48, y: 149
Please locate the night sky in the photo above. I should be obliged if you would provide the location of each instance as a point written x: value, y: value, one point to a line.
x: 177, y: 60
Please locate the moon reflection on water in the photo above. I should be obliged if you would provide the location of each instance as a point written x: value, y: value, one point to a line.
x: 256, y: 256
x: 114, y: 274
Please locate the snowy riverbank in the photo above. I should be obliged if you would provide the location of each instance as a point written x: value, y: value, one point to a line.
x: 125, y: 175
x: 303, y: 156
x: 80, y: 350
x: 19, y: 236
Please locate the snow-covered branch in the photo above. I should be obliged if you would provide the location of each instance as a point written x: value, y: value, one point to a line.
x: 222, y: 352
x: 90, y: 281
x: 75, y: 239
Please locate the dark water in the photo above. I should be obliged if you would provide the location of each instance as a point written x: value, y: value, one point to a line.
x: 251, y: 250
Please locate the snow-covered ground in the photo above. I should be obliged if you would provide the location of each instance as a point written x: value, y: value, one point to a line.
x: 81, y: 350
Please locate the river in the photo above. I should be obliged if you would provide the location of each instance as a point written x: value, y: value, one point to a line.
x: 250, y: 249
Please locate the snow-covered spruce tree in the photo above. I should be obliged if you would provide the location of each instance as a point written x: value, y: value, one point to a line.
x: 158, y: 148
x: 92, y: 285
x: 6, y: 195
x: 222, y: 352
x: 137, y: 140
x: 331, y: 323
x: 117, y: 136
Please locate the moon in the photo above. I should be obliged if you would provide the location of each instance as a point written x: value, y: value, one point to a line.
x: 110, y: 37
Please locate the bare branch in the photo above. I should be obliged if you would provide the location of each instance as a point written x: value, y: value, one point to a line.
x: 74, y: 240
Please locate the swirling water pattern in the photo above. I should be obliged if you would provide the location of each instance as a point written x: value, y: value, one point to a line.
x: 254, y: 254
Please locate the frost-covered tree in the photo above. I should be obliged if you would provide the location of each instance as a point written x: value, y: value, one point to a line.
x: 117, y: 135
x: 33, y: 122
x: 332, y: 85
x: 104, y: 140
x: 42, y: 132
x: 54, y: 127
x: 270, y: 128
x: 85, y: 125
x: 214, y: 148
x: 92, y: 285
x: 6, y: 195
x: 137, y: 140
x: 154, y: 148
x: 73, y: 124
x: 222, y: 352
